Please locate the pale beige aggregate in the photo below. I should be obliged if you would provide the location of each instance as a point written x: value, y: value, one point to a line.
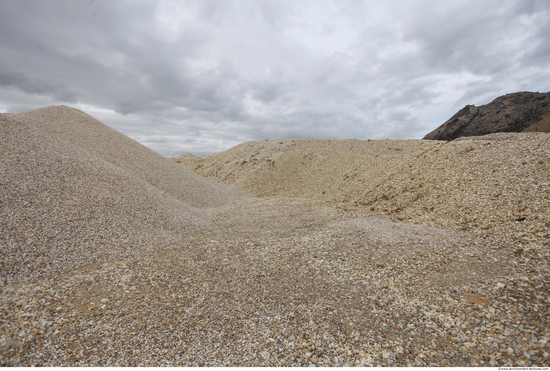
x: 356, y: 253
x: 75, y: 191
x: 272, y: 284
x: 476, y: 184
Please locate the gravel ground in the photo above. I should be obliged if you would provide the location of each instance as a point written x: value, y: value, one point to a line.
x: 291, y: 282
x: 390, y: 269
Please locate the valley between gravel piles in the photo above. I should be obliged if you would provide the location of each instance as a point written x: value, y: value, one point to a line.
x: 353, y: 253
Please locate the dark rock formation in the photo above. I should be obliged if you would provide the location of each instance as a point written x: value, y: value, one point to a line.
x: 523, y: 111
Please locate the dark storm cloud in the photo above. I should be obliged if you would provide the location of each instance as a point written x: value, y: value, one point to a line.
x: 201, y: 76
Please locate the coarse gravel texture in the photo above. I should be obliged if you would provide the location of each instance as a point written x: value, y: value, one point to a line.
x: 285, y: 282
x: 475, y: 184
x: 75, y: 191
x: 355, y: 253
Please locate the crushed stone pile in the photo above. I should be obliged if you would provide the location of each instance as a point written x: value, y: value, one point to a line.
x: 75, y: 192
x: 497, y: 183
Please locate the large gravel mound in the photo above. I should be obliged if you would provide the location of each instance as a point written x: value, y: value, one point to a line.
x: 501, y: 181
x: 75, y: 191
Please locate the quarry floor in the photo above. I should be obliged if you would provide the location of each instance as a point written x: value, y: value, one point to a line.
x: 290, y: 282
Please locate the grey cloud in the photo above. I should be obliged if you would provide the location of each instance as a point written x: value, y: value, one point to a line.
x: 127, y: 106
x: 207, y: 74
x: 269, y: 91
x: 10, y: 77
x: 471, y: 35
x: 539, y: 53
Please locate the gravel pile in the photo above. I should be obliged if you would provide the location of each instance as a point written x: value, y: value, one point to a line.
x: 358, y: 253
x: 496, y: 184
x: 315, y: 169
x: 75, y: 191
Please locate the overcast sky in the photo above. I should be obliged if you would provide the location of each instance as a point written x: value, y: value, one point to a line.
x: 202, y: 76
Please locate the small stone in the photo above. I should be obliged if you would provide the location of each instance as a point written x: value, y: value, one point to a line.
x: 21, y: 315
x: 104, y: 301
x: 9, y: 344
x: 474, y: 298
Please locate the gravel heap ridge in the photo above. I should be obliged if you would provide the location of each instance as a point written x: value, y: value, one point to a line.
x: 476, y: 184
x: 75, y: 191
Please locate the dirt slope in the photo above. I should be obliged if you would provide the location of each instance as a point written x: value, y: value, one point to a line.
x: 542, y: 126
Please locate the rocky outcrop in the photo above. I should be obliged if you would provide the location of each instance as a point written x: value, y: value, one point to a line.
x: 517, y: 112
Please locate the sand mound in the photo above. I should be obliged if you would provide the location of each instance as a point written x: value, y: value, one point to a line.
x: 472, y: 184
x: 75, y: 191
